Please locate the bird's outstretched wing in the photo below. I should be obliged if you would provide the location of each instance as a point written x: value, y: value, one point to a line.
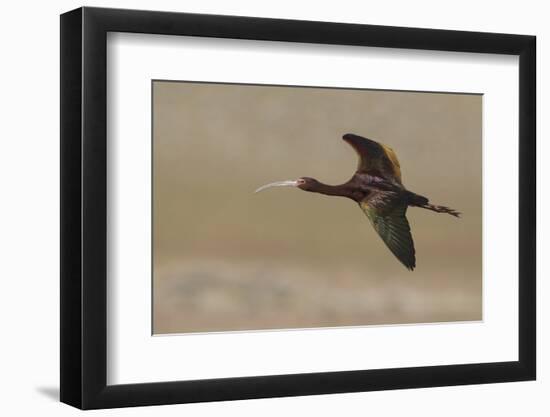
x: 387, y: 215
x: 375, y: 159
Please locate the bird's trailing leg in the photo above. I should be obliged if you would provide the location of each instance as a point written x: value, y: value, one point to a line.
x: 440, y: 209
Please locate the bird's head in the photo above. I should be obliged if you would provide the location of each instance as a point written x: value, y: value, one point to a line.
x: 307, y: 183
x: 303, y: 183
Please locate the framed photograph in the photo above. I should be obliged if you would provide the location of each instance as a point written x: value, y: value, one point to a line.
x: 259, y: 208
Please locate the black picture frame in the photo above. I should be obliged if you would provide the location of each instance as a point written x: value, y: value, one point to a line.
x: 84, y: 207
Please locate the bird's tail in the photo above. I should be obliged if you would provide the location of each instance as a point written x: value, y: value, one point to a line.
x: 441, y: 209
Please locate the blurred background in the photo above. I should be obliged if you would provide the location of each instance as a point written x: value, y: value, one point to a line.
x: 225, y: 258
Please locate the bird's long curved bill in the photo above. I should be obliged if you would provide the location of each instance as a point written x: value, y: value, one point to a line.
x: 289, y: 183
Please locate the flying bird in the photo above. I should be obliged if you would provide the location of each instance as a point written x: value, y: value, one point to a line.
x: 376, y: 186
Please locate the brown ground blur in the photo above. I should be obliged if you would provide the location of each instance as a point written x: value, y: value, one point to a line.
x: 228, y: 259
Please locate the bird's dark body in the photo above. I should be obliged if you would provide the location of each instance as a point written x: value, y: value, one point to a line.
x: 377, y: 187
x: 372, y: 189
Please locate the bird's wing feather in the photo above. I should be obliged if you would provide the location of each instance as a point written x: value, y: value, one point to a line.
x: 389, y: 220
x: 375, y: 158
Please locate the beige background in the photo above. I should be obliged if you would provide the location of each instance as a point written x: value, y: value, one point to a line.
x: 228, y: 259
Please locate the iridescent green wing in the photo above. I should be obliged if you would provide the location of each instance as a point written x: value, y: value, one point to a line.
x: 387, y: 216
